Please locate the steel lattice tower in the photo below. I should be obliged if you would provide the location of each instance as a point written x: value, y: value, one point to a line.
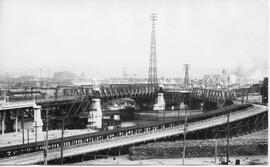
x: 152, y: 75
x: 186, y: 80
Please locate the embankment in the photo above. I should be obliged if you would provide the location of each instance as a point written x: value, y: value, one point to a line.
x: 199, y: 148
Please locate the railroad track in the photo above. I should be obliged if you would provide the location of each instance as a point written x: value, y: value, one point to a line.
x: 129, y: 139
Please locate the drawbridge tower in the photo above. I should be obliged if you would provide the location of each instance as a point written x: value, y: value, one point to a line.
x: 152, y: 74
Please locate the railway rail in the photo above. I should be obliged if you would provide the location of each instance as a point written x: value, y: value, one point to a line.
x: 129, y: 136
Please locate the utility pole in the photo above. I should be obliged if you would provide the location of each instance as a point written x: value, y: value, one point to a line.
x: 215, y: 151
x: 22, y: 125
x: 62, y: 135
x: 27, y: 137
x: 36, y: 131
x: 228, y: 129
x: 179, y: 110
x: 46, y: 140
x: 62, y: 140
x: 243, y: 97
x: 164, y: 114
x: 185, y: 129
x: 228, y: 133
x: 189, y: 104
x: 247, y: 95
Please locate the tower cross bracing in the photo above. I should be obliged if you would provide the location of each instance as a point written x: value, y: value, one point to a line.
x: 152, y: 75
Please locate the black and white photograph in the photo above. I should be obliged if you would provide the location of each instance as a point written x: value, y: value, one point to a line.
x: 134, y: 82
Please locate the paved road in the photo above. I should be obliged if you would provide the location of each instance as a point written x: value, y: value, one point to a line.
x: 126, y: 140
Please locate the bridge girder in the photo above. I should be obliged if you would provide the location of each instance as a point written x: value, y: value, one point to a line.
x: 213, y: 95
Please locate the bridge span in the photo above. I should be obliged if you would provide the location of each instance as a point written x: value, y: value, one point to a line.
x: 75, y: 102
x: 137, y: 135
x: 114, y: 91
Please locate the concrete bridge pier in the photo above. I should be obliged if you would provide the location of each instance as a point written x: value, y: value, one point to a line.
x: 3, y: 116
x: 96, y: 114
x: 37, y: 124
x: 16, y: 121
x: 160, y: 105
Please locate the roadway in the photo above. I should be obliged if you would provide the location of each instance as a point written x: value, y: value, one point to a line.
x: 30, y: 103
x: 36, y: 157
x: 15, y: 105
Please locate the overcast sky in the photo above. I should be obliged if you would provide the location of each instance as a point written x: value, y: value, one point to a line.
x: 100, y: 37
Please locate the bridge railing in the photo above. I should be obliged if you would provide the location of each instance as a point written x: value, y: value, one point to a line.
x: 53, y: 98
x: 19, y: 104
x: 73, y: 92
x: 175, y: 88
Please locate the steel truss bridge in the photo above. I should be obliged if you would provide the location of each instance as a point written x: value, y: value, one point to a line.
x: 76, y: 101
x: 63, y: 93
x: 116, y: 91
x: 242, y: 120
x: 213, y: 95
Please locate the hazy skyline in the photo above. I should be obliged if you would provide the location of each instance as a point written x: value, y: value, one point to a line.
x: 100, y: 37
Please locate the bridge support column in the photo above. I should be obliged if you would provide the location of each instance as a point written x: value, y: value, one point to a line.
x: 96, y: 114
x: 16, y: 122
x: 3, y: 123
x: 160, y: 105
x: 119, y: 152
x: 37, y: 124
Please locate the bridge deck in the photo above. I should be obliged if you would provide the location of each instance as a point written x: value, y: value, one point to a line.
x: 16, y: 105
x: 136, y: 138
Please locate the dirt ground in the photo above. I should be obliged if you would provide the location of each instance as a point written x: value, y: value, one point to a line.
x: 244, y: 160
x: 256, y: 135
x: 123, y: 160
